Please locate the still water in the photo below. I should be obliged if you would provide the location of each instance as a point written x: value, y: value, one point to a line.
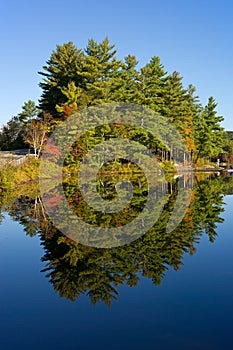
x: 163, y: 291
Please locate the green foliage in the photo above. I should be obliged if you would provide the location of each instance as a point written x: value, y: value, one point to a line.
x: 209, y: 134
x: 228, y: 143
x: 12, y: 134
x: 125, y: 84
x: 74, y: 79
x: 12, y: 176
x: 29, y: 111
x: 169, y: 169
x: 7, y: 177
x: 28, y: 171
x: 62, y: 68
x: 153, y: 84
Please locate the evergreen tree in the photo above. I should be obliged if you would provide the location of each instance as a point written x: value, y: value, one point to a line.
x: 62, y: 68
x: 126, y: 83
x: 213, y: 121
x: 74, y: 79
x: 175, y: 106
x: 76, y: 100
x: 153, y: 85
x: 11, y: 135
x: 209, y: 133
x: 29, y: 111
x: 98, y: 69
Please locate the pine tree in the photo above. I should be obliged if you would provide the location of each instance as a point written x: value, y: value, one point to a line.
x: 213, y: 120
x: 62, y: 68
x: 74, y: 79
x: 126, y: 82
x: 193, y: 111
x: 209, y: 133
x: 153, y: 84
x: 29, y: 111
x: 11, y: 135
x: 76, y: 100
x: 176, y: 108
x: 98, y: 68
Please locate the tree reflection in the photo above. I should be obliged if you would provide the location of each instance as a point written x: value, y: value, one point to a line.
x: 74, y: 269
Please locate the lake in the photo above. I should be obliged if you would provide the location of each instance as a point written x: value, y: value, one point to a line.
x: 164, y: 290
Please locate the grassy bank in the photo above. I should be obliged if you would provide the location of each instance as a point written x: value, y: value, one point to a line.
x: 13, y: 176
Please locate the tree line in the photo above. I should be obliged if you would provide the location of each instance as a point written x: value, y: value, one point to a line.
x: 74, y: 79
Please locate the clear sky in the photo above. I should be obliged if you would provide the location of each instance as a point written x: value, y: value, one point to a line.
x: 193, y: 37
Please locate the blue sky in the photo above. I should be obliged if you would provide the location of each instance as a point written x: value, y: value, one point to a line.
x: 191, y: 37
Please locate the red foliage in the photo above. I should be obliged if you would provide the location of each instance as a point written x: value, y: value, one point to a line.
x: 53, y: 150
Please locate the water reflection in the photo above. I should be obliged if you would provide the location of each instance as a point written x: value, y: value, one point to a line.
x: 74, y: 269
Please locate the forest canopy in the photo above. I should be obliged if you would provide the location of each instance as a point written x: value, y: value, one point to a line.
x: 74, y: 78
